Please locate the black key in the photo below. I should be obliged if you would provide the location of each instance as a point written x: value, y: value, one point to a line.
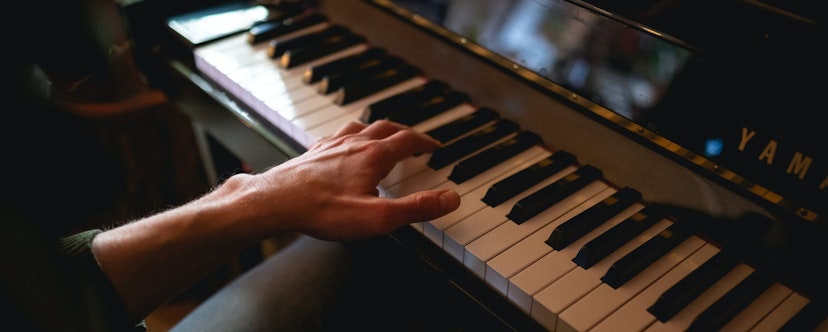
x: 277, y: 28
x: 691, y: 286
x: 732, y: 303
x: 360, y: 73
x: 602, y: 245
x: 808, y: 318
x: 316, y: 73
x: 464, y: 125
x: 356, y: 90
x: 466, y: 145
x: 404, y: 100
x: 573, y: 229
x: 479, y: 163
x: 429, y: 108
x: 519, y: 182
x: 544, y: 198
x: 279, y: 47
x: 283, y: 10
x: 302, y: 55
x: 640, y: 258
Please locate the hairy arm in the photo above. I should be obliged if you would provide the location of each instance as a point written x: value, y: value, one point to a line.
x: 329, y: 192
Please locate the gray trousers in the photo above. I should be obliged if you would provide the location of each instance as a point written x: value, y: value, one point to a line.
x: 290, y: 290
x: 313, y: 285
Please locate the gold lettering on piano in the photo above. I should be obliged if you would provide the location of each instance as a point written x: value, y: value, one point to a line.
x: 768, y: 152
x: 747, y: 134
x: 799, y: 165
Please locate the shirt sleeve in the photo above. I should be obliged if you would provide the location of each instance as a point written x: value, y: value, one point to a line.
x: 106, y: 309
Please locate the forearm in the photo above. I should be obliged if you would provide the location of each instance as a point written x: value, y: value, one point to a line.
x: 329, y: 192
x: 151, y: 260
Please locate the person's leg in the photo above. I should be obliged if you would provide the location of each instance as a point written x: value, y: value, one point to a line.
x: 313, y: 285
x: 292, y: 290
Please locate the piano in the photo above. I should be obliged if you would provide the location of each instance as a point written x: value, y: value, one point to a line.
x: 647, y: 165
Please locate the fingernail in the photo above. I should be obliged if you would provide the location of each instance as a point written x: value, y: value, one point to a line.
x: 449, y: 200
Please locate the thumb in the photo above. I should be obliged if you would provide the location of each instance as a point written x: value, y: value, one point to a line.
x: 426, y: 205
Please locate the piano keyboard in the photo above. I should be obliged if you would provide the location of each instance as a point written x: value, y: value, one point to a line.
x: 570, y: 249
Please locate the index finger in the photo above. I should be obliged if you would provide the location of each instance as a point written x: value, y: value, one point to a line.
x: 406, y: 143
x: 382, y: 128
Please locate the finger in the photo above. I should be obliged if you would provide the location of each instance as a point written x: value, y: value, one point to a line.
x: 349, y: 128
x: 382, y: 128
x: 423, y: 206
x: 406, y: 143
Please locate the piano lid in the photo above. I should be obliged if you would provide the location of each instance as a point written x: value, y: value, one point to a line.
x: 729, y: 88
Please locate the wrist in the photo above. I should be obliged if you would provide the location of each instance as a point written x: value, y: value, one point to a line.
x: 247, y: 208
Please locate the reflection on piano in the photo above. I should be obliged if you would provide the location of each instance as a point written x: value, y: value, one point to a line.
x: 573, y: 211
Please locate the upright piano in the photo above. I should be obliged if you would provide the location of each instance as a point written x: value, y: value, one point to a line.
x: 645, y: 165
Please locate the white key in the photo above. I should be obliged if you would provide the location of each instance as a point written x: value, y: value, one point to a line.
x: 256, y: 104
x: 532, y: 154
x: 517, y: 257
x: 279, y: 92
x: 474, y: 182
x: 682, y: 320
x: 472, y: 191
x: 252, y: 76
x: 758, y: 309
x: 480, y: 179
x: 406, y: 169
x: 554, y: 265
x: 327, y: 120
x: 293, y: 106
x: 470, y: 228
x: 298, y: 98
x: 555, y: 298
x: 413, y: 166
x: 430, y: 178
x: 446, y: 117
x: 258, y: 71
x: 633, y: 316
x: 481, y: 250
x: 230, y: 54
x: 782, y: 313
x: 602, y: 301
x: 822, y: 327
x: 417, y: 164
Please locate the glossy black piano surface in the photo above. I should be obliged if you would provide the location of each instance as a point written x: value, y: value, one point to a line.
x: 700, y: 117
x: 732, y: 81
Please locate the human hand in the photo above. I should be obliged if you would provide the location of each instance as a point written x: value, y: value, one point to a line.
x: 330, y: 192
